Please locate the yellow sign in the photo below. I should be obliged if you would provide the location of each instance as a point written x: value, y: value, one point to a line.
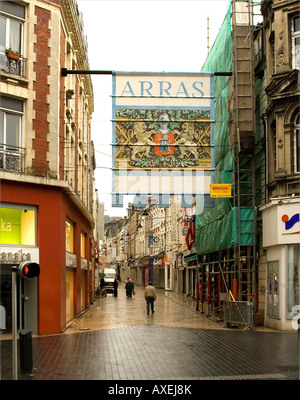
x: 220, y: 190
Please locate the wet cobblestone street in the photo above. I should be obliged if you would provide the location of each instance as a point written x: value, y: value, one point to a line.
x: 117, y: 340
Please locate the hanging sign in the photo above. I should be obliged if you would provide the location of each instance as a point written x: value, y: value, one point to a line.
x: 162, y: 138
x: 189, y: 239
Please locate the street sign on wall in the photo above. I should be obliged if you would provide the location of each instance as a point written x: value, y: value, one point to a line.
x: 220, y: 190
x: 162, y: 139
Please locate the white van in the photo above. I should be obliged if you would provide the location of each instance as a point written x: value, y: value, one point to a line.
x: 109, y: 277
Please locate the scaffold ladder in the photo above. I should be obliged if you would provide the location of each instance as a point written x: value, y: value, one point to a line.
x: 243, y: 148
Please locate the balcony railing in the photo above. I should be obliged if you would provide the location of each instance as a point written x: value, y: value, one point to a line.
x: 14, y: 67
x: 12, y: 158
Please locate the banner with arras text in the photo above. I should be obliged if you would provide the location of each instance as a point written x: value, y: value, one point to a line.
x: 162, y: 137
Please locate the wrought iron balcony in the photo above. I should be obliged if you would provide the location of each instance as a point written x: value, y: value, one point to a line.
x: 12, y: 158
x: 11, y: 66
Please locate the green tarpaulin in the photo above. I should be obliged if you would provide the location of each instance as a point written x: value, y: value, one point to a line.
x: 217, y: 227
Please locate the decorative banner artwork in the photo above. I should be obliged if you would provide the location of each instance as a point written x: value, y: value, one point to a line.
x: 162, y: 140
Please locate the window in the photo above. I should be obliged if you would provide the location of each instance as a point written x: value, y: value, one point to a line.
x: 274, y: 139
x: 272, y: 49
x: 297, y: 144
x: 296, y: 42
x: 273, y: 289
x: 83, y: 241
x: 69, y: 236
x: 293, y: 277
x: 11, y: 26
x: 12, y: 18
x: 18, y: 226
x: 11, y: 153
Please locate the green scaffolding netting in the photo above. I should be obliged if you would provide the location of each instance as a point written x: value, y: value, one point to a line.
x: 216, y: 227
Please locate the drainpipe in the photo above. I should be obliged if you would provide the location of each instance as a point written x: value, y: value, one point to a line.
x: 264, y: 119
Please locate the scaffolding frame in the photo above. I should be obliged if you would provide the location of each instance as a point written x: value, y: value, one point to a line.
x: 243, y: 140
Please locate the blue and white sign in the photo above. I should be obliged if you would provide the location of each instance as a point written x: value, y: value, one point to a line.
x: 163, y: 141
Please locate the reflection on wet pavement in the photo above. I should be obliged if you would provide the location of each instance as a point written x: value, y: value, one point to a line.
x: 109, y: 312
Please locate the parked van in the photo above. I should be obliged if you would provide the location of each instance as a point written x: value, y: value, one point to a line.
x: 109, y: 277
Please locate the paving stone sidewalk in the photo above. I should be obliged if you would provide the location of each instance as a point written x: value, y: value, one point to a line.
x: 116, y: 340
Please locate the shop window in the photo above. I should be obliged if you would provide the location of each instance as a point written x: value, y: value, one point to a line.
x: 69, y: 236
x: 296, y: 42
x: 11, y: 153
x: 17, y: 226
x: 70, y: 293
x: 83, y: 276
x: 293, y: 278
x: 273, y: 289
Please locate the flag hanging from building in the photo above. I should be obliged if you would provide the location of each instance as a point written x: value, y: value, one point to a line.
x: 162, y: 138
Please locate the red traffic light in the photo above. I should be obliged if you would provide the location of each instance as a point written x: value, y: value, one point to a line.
x: 29, y: 270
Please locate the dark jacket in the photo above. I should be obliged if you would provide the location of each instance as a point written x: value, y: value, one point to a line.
x: 129, y: 286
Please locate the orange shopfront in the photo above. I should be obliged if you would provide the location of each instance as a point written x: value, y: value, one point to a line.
x: 59, y: 229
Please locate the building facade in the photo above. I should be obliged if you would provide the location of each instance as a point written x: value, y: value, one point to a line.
x: 280, y: 213
x: 46, y: 162
x: 256, y: 254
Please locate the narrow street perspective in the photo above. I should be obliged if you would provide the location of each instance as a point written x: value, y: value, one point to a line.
x: 150, y: 156
x: 117, y: 340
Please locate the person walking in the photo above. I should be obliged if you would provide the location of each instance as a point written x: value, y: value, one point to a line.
x: 116, y: 284
x: 150, y: 297
x: 129, y: 288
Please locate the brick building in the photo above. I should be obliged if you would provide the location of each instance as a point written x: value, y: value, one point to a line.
x: 46, y: 162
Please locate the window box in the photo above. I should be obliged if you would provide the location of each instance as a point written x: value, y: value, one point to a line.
x: 12, y: 54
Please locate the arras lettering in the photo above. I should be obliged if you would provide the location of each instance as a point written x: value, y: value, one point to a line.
x: 163, y: 89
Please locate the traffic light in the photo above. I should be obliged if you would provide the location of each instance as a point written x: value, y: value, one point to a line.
x: 29, y: 270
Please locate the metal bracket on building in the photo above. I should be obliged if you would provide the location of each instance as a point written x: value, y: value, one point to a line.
x: 66, y: 72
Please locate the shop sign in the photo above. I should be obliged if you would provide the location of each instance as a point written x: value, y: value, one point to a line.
x: 220, y: 190
x: 189, y: 239
x: 185, y: 230
x: 71, y: 259
x: 83, y: 263
x: 171, y: 256
x: 281, y: 222
x: 192, y: 257
x: 10, y: 255
x: 290, y: 224
x: 189, y: 218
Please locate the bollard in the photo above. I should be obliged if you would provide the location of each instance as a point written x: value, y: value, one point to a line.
x: 25, y: 351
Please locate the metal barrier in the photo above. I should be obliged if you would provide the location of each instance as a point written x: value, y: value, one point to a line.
x: 239, y: 312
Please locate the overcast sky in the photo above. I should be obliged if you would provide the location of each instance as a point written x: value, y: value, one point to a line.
x: 141, y: 35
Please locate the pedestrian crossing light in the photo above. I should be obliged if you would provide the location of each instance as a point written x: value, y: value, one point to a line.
x: 29, y: 270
